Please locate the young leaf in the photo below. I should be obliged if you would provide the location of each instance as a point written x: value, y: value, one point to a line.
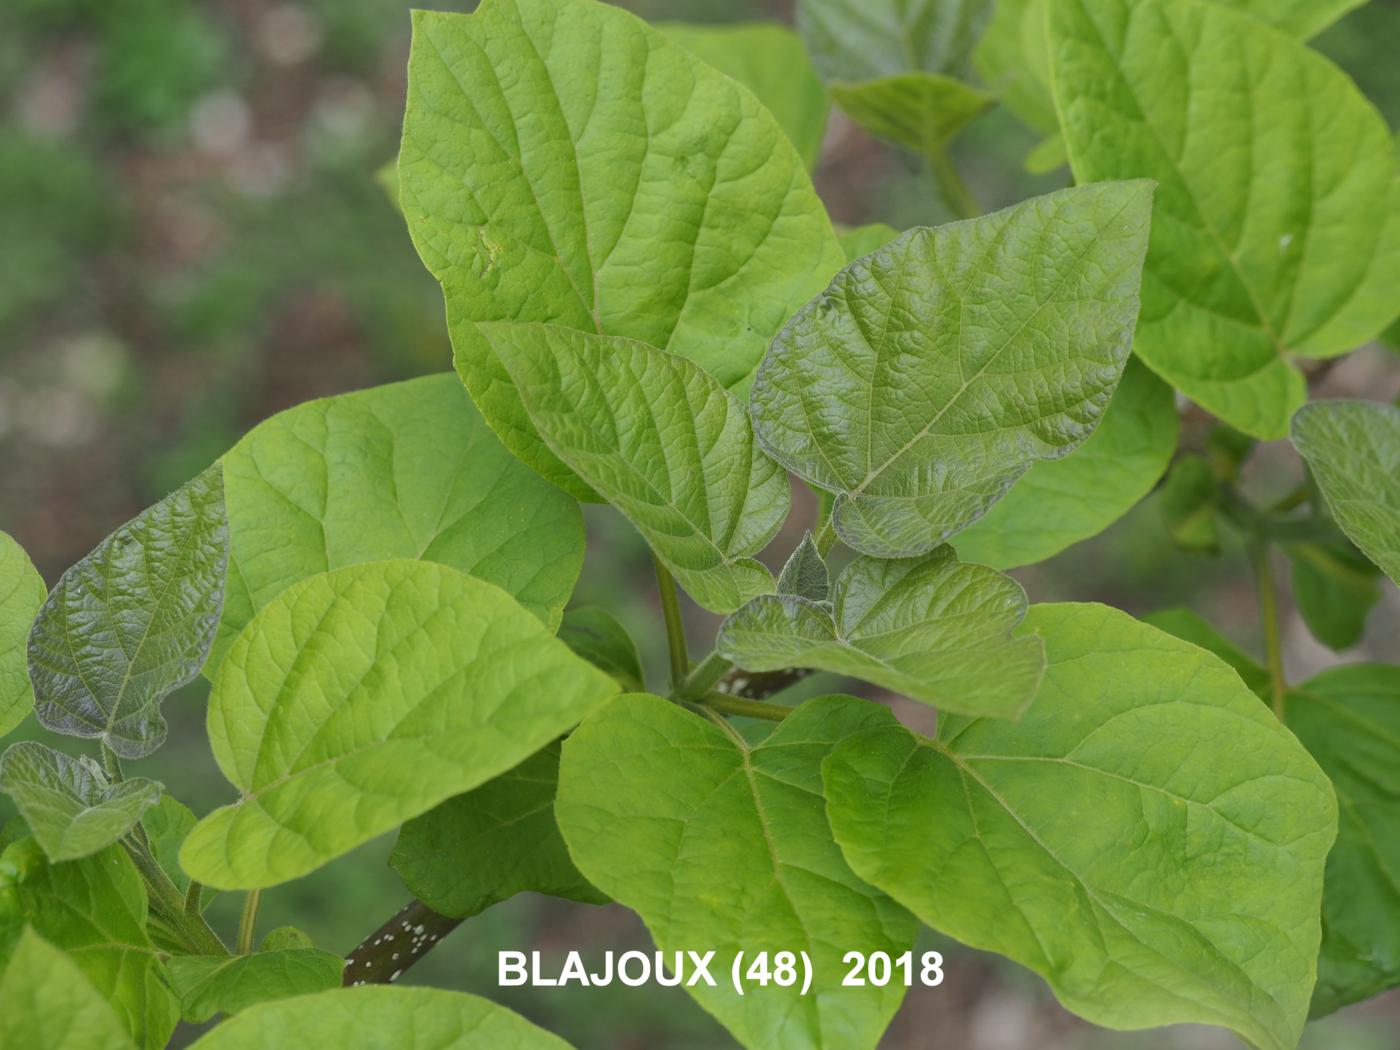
x: 372, y: 693
x: 94, y: 909
x: 933, y: 373
x: 663, y: 441
x: 1353, y: 449
x: 883, y: 37
x: 286, y: 938
x: 862, y: 240
x: 723, y: 846
x: 1189, y: 627
x: 22, y: 593
x: 1149, y: 839
x: 487, y: 845
x: 1349, y: 718
x: 70, y: 806
x: 1060, y: 502
x: 1334, y: 589
x: 920, y: 111
x: 166, y: 824
x: 408, y: 470
x: 563, y: 162
x: 1013, y: 58
x: 49, y: 1004
x: 383, y: 1017
x: 225, y: 984
x: 595, y: 634
x: 1247, y: 268
x: 770, y: 61
x: 805, y: 574
x: 930, y: 628
x: 133, y: 621
x: 1190, y: 503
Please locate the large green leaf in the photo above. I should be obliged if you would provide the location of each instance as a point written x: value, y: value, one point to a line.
x: 362, y: 697
x: 770, y: 61
x: 931, y: 628
x: 1191, y: 627
x: 1334, y: 589
x: 722, y: 846
x: 920, y: 111
x: 49, y: 1004
x: 1060, y: 502
x: 133, y: 620
x: 22, y: 593
x: 564, y: 162
x: 225, y: 984
x: 1149, y: 839
x: 1276, y: 230
x: 95, y: 910
x: 879, y: 38
x: 408, y: 470
x: 1299, y: 18
x: 382, y: 1017
x: 1349, y: 718
x: 1353, y: 448
x: 487, y: 845
x: 934, y: 372
x: 71, y: 807
x: 664, y: 442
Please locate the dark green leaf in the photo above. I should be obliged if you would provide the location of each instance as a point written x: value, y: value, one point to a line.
x: 805, y: 574
x: 222, y: 984
x: 595, y: 635
x: 1190, y: 502
x: 1334, y: 589
x: 879, y: 38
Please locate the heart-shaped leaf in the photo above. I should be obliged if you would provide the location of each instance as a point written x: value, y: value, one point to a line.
x: 133, y: 621
x: 50, y: 1004
x: 880, y: 38
x: 1334, y: 589
x: 931, y: 628
x: 933, y: 373
x: 225, y: 984
x: 722, y: 846
x: 920, y: 111
x: 362, y: 697
x: 22, y: 593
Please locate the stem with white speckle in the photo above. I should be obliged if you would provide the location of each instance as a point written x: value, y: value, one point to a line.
x: 414, y: 930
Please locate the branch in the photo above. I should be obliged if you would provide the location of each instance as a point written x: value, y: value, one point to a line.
x: 390, y: 950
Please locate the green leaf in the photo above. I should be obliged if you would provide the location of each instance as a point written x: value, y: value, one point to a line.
x: 770, y: 61
x: 223, y: 984
x: 1349, y: 718
x: 22, y: 593
x: 1246, y: 268
x: 920, y: 111
x: 1353, y: 450
x: 133, y: 621
x: 70, y: 806
x: 862, y: 240
x: 364, y: 696
x: 805, y: 574
x: 1149, y: 839
x: 49, y: 1004
x: 1299, y: 18
x: 167, y: 823
x: 723, y: 846
x: 880, y: 38
x: 94, y: 909
x: 1013, y: 58
x: 1190, y: 503
x: 1190, y: 627
x: 563, y: 162
x: 487, y: 845
x: 935, y: 372
x: 930, y: 628
x: 381, y: 1017
x: 1334, y: 589
x: 285, y: 938
x: 595, y: 634
x: 663, y: 442
x: 1060, y: 502
x: 1049, y: 155
x: 408, y: 470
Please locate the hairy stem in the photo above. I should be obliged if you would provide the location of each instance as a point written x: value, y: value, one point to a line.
x: 675, y: 627
x: 193, y: 894
x: 168, y: 903
x: 734, y: 705
x: 397, y: 945
x: 1269, y: 622
x: 706, y: 676
x: 111, y: 764
x: 951, y: 188
x: 248, y: 922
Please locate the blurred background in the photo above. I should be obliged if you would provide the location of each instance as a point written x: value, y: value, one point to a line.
x: 192, y: 238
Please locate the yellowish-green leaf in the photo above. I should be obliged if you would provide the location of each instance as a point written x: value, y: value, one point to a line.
x: 50, y: 1005
x: 225, y: 984
x: 920, y: 111
x: 22, y: 592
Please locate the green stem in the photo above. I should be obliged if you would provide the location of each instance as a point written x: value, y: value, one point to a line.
x: 193, y: 894
x: 825, y: 538
x: 951, y: 188
x: 675, y: 627
x: 111, y: 764
x: 705, y: 676
x: 734, y: 705
x: 1269, y: 622
x: 169, y: 903
x: 248, y: 922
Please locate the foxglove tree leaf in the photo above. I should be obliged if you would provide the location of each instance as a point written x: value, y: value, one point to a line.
x: 1334, y: 589
x: 364, y: 696
x: 721, y: 845
x: 805, y: 574
x: 225, y: 984
x: 408, y: 470
x: 563, y: 162
x: 920, y: 111
x: 1149, y: 839
x: 594, y: 633
x: 133, y: 621
x: 71, y: 807
x: 862, y: 240
x: 22, y: 593
x: 933, y: 373
x: 50, y: 1004
x: 931, y: 628
x: 1060, y: 502
x: 94, y: 909
x: 1353, y: 449
x: 1193, y: 628
x: 884, y: 37
x: 1246, y: 268
x: 663, y: 441
x: 383, y: 1017
x: 770, y: 61
x: 487, y: 845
